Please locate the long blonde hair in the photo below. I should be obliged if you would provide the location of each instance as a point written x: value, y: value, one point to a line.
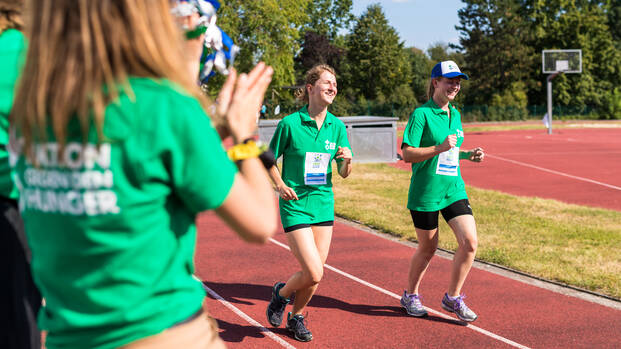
x: 76, y: 47
x: 311, y: 78
x: 10, y: 15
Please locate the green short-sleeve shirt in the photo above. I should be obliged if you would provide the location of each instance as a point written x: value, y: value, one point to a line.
x: 436, y: 183
x: 12, y: 51
x: 112, y: 227
x: 307, y: 165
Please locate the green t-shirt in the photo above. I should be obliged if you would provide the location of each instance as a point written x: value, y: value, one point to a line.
x: 307, y: 165
x: 113, y: 231
x: 12, y: 50
x: 436, y: 183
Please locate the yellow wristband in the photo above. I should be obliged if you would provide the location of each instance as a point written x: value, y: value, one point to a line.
x: 244, y: 151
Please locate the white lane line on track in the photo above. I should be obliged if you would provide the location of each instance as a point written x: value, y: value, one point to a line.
x: 396, y: 296
x: 250, y: 320
x: 554, y: 172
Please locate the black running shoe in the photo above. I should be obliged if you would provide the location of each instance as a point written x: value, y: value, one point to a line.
x: 276, y: 308
x: 296, y: 326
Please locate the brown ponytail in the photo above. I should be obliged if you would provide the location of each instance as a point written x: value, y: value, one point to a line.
x: 430, y: 89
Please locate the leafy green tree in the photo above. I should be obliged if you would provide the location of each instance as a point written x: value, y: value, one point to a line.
x: 612, y: 107
x: 322, y: 39
x: 614, y: 19
x: 495, y: 38
x: 578, y: 24
x: 420, y: 65
x: 317, y: 49
x: 514, y: 97
x: 377, y: 63
x: 266, y: 30
x: 328, y: 17
x: 440, y: 51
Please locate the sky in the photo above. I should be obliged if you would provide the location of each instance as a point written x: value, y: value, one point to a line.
x: 420, y: 23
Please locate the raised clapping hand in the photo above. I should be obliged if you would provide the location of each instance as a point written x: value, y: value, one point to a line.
x: 476, y: 154
x: 286, y: 193
x: 240, y: 100
x: 344, y: 153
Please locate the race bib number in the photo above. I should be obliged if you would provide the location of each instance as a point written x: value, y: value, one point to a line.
x: 316, y: 168
x: 448, y: 162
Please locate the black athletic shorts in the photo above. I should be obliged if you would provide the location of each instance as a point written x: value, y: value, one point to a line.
x: 300, y: 226
x: 429, y: 220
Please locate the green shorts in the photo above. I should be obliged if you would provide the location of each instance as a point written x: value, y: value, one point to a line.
x: 312, y: 207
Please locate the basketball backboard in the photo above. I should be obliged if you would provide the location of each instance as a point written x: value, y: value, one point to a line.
x: 566, y: 61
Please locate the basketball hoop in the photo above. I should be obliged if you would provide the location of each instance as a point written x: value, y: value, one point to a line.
x: 555, y: 62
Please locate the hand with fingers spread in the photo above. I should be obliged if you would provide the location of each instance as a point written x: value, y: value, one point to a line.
x: 240, y: 100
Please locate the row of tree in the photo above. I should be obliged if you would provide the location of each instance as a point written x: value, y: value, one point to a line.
x: 500, y: 48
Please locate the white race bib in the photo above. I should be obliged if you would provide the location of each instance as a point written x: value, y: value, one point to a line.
x: 448, y: 162
x: 316, y: 168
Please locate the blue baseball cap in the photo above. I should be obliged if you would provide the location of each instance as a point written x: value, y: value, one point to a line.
x: 447, y: 69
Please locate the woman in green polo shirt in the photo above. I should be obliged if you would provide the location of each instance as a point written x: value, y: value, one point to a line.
x: 308, y: 141
x: 116, y: 157
x: 431, y: 142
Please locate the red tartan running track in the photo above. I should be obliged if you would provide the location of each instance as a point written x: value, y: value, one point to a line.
x: 357, y: 302
x: 578, y: 166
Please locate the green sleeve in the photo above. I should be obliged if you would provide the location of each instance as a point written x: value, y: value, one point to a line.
x: 414, y: 129
x: 464, y: 155
x: 280, y: 140
x: 202, y: 174
x: 12, y: 52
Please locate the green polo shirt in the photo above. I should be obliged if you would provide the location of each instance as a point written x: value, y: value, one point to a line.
x: 111, y: 226
x: 431, y: 189
x: 12, y: 50
x: 307, y: 157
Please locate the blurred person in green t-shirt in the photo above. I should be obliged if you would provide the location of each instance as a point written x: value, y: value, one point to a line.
x: 21, y: 299
x: 115, y: 157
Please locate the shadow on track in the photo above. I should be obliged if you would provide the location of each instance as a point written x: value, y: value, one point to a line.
x: 246, y: 294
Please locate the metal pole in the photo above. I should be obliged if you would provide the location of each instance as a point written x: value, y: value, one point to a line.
x: 550, y: 104
x: 550, y: 77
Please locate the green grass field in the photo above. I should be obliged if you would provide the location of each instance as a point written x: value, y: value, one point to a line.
x: 575, y: 245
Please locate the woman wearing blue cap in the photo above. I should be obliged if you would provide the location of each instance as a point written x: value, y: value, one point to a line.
x: 431, y: 142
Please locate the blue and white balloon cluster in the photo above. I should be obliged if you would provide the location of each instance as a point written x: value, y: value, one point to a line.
x: 219, y: 49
